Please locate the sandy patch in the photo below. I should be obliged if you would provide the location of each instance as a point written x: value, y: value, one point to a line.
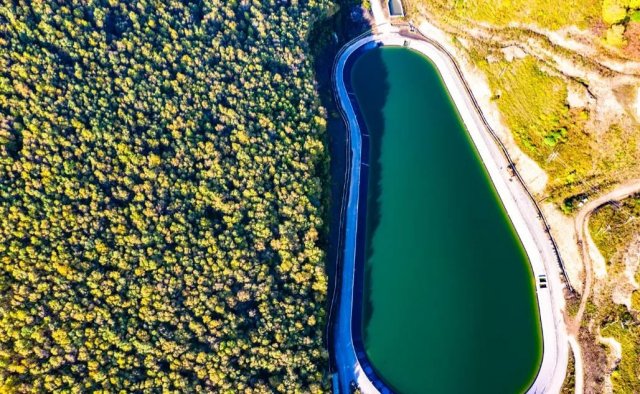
x: 632, y: 262
x: 582, y: 42
x: 535, y: 178
x: 492, y: 59
x: 608, y: 106
x: 614, y: 346
x: 613, y: 358
x: 513, y: 52
x: 563, y: 230
x: 598, y: 263
x: 578, y: 96
x: 626, y: 283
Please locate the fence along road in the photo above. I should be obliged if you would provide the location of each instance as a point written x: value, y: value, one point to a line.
x: 351, y: 362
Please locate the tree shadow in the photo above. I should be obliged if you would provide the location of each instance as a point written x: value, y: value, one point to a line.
x: 347, y: 20
x: 369, y: 83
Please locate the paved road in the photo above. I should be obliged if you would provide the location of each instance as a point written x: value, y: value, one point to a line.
x: 517, y: 203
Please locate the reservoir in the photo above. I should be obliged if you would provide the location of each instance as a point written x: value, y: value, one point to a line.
x: 449, y: 295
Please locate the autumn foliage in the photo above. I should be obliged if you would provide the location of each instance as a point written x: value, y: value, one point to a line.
x: 160, y: 197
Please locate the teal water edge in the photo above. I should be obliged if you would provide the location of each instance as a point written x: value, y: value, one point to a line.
x: 450, y: 301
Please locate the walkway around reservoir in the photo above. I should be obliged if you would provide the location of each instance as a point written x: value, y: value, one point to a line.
x: 352, y: 365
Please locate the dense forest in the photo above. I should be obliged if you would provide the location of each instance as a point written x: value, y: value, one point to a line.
x: 161, y: 177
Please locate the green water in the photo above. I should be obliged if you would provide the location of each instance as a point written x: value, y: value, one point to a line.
x: 450, y: 301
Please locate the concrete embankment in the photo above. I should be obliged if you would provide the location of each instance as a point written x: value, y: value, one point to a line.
x: 350, y: 357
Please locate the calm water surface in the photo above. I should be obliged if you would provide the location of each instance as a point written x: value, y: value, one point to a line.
x: 450, y: 298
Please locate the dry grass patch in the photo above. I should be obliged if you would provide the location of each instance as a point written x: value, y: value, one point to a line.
x: 613, y: 227
x: 551, y: 14
x: 534, y: 107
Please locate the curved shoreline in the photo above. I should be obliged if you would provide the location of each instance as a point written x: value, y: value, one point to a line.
x: 351, y: 360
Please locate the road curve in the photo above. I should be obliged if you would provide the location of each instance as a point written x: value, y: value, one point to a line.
x: 351, y: 362
x: 583, y: 237
x: 585, y: 244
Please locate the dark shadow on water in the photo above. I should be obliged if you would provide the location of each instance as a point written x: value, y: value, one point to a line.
x: 369, y: 80
x: 346, y: 20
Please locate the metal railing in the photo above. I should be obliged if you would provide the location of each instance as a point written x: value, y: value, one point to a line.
x: 503, y: 148
x: 416, y: 34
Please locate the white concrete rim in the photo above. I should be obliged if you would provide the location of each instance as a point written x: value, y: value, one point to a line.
x: 552, y: 370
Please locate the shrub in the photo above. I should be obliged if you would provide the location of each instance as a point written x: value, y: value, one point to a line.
x: 614, y: 11
x: 615, y: 36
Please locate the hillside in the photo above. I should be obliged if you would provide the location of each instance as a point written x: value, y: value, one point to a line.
x: 616, y: 231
